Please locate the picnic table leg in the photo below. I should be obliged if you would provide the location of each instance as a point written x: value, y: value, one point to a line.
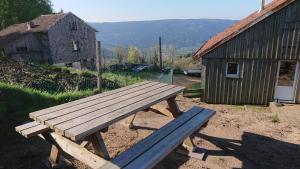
x: 54, y: 155
x: 131, y: 121
x: 188, y: 143
x: 55, y: 152
x: 173, y: 107
x: 99, y: 146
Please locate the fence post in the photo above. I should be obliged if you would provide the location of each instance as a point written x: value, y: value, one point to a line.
x: 98, y: 65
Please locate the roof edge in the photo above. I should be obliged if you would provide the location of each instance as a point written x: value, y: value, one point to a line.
x: 198, y: 55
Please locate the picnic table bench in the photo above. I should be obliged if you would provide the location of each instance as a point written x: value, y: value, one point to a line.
x: 72, y: 126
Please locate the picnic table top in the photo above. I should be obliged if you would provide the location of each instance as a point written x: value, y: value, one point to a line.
x: 79, y: 119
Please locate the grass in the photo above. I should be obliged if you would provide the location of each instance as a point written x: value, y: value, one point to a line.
x: 193, y: 91
x: 18, y: 101
x: 237, y: 108
x: 275, y: 118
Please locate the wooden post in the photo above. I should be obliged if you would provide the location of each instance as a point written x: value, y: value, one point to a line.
x: 98, y: 65
x: 160, y: 54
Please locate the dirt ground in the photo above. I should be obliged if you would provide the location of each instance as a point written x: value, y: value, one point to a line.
x: 186, y: 81
x: 236, y: 137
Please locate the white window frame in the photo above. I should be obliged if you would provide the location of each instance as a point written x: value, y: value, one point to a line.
x: 237, y: 75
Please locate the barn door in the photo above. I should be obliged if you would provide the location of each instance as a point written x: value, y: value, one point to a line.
x: 287, y: 81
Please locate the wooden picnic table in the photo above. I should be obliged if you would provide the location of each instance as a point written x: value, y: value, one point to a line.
x: 72, y: 127
x: 84, y: 119
x: 79, y: 119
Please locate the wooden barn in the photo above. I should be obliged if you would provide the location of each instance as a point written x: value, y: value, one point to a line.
x: 255, y: 61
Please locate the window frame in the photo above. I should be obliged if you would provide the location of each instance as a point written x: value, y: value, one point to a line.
x: 74, y: 42
x: 237, y: 75
x: 22, y: 49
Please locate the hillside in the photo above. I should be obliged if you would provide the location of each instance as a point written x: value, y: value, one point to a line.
x: 184, y: 33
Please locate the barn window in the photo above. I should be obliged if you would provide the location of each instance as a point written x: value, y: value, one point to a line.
x: 232, y: 70
x: 22, y: 49
x: 73, y: 26
x: 75, y: 46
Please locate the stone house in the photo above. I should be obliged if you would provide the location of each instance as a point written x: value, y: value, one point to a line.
x: 60, y: 39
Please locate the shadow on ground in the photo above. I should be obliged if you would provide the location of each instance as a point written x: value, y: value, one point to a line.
x: 256, y: 151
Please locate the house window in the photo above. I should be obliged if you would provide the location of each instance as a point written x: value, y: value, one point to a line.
x: 232, y: 70
x: 22, y: 49
x: 73, y: 26
x: 75, y: 46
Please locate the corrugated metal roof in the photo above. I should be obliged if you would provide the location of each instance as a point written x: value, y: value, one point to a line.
x: 241, y: 26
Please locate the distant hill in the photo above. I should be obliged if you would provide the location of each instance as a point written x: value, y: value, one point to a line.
x: 183, y: 33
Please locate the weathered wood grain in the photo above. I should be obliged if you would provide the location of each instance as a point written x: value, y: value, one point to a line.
x: 258, y: 50
x: 78, y: 152
x: 33, y: 115
x: 34, y: 131
x: 159, y: 151
x: 150, y: 151
x: 79, y: 110
x: 26, y: 126
x: 82, y: 130
x: 73, y: 119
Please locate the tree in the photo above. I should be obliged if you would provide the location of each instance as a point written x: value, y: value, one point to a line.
x: 120, y: 54
x: 153, y: 55
x: 133, y: 55
x: 19, y: 11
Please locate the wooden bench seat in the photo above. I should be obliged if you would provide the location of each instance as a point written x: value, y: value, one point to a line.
x: 150, y: 151
x: 31, y: 129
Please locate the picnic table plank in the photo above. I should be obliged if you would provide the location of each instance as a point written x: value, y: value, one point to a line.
x: 33, y: 115
x: 154, y: 138
x: 157, y: 152
x: 101, y: 109
x: 26, y: 126
x: 81, y: 131
x: 33, y: 131
x: 96, y: 104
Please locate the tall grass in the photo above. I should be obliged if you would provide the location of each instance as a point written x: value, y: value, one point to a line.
x: 18, y: 101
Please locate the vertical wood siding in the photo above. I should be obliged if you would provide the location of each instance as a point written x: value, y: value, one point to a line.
x: 255, y: 85
x: 258, y: 51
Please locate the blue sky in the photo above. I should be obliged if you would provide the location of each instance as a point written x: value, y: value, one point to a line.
x: 136, y: 10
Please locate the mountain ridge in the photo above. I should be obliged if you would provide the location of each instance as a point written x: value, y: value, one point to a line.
x: 182, y: 33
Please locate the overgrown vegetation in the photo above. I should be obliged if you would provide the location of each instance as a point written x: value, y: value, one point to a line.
x: 18, y: 101
x: 182, y: 63
x: 28, y: 87
x: 50, y: 79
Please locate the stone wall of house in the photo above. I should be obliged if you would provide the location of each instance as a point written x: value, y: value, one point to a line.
x: 36, y: 45
x: 61, y: 37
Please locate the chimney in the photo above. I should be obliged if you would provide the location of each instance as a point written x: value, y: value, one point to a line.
x: 30, y: 25
x: 262, y: 5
